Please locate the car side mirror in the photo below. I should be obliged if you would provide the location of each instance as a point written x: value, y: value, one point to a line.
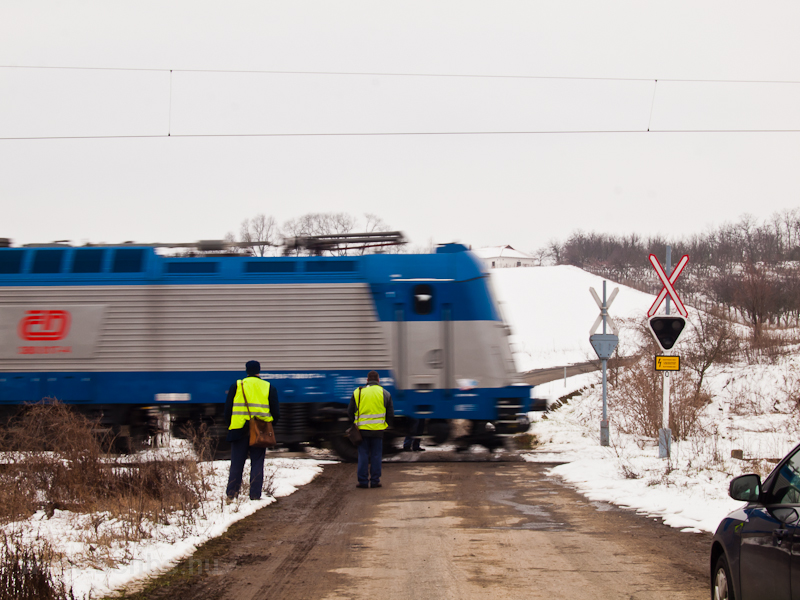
x: 746, y: 488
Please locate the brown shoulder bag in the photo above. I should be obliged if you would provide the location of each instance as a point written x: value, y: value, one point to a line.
x: 262, y: 435
x: 353, y: 433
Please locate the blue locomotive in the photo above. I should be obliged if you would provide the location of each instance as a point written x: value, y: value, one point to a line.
x: 127, y: 331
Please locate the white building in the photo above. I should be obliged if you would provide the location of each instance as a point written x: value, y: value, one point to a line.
x: 499, y: 257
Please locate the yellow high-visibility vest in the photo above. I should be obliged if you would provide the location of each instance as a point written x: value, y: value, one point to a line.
x: 370, y: 410
x: 257, y: 391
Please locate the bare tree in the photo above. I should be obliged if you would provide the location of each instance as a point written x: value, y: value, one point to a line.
x: 230, y: 239
x: 714, y: 342
x: 261, y: 230
x: 332, y: 224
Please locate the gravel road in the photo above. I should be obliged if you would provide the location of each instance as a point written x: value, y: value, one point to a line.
x: 444, y: 530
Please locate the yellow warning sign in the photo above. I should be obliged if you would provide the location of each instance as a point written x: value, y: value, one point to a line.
x: 668, y: 363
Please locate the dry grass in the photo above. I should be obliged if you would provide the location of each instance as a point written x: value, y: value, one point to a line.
x: 636, y: 396
x: 525, y: 441
x: 770, y: 346
x: 55, y: 460
x: 26, y: 572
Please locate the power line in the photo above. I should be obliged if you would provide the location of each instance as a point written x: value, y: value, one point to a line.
x: 387, y: 74
x: 397, y: 134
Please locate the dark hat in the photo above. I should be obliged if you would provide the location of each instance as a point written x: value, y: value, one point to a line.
x: 373, y: 376
x: 253, y: 367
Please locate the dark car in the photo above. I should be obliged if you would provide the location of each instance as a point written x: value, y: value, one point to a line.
x: 755, y: 554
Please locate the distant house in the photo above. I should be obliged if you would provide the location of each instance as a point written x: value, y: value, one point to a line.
x: 499, y: 257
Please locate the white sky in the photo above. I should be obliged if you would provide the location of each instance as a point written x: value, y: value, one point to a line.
x: 482, y: 189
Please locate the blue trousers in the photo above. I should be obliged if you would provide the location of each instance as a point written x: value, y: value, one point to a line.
x: 370, y: 453
x: 239, y: 451
x: 415, y: 429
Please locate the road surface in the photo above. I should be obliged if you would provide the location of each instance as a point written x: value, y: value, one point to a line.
x: 443, y: 530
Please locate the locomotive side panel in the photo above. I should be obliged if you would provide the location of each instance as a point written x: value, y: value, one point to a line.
x: 147, y: 328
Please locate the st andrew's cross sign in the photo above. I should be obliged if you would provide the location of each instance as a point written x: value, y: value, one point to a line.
x: 668, y: 285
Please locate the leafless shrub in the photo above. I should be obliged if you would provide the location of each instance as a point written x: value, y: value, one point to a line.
x: 55, y: 461
x: 714, y: 341
x: 26, y: 572
x: 635, y: 400
x: 770, y: 347
x: 686, y: 406
x: 637, y: 394
x: 761, y: 467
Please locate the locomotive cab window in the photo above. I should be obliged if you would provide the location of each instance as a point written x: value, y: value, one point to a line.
x: 423, y: 299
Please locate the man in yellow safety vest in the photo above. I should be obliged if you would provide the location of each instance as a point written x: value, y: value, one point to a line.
x: 261, y: 402
x: 372, y: 412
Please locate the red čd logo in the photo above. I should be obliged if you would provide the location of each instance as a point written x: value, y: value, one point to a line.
x: 44, y: 325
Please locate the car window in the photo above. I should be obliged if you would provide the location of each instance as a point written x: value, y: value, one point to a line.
x: 786, y: 489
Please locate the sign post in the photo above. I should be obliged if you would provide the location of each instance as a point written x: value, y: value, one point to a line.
x: 666, y: 331
x: 604, y: 345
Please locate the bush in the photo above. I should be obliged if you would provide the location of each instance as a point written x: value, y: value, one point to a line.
x: 637, y: 394
x: 56, y: 459
x: 25, y: 572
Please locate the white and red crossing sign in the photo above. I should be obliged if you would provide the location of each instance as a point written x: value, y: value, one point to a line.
x: 668, y: 285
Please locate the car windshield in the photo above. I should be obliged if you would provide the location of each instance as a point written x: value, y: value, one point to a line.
x: 787, y: 484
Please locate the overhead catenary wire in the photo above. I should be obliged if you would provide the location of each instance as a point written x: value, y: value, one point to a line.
x: 169, y: 133
x: 398, y: 134
x: 401, y: 74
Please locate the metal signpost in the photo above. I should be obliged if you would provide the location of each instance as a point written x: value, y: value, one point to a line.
x: 666, y: 337
x: 604, y: 345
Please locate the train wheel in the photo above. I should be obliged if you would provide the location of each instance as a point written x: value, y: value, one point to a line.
x: 344, y: 448
x: 439, y: 430
x: 389, y: 444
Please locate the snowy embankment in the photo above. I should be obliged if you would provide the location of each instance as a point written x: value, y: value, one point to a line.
x: 96, y: 557
x: 550, y: 311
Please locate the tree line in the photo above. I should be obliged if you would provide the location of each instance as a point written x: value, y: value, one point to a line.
x: 749, y: 269
x: 269, y: 238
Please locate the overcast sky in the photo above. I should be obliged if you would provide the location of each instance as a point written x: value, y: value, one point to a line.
x: 488, y: 123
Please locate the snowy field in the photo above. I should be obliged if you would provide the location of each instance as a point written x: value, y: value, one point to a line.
x: 550, y: 311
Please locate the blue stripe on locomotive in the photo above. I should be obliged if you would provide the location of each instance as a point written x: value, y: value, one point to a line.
x: 211, y: 387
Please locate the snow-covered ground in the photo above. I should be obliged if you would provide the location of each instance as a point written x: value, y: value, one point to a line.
x: 550, y: 311
x: 95, y: 566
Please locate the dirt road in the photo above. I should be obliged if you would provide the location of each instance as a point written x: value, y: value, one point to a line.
x: 436, y: 530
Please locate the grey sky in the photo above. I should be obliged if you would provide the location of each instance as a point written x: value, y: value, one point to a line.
x: 433, y: 181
